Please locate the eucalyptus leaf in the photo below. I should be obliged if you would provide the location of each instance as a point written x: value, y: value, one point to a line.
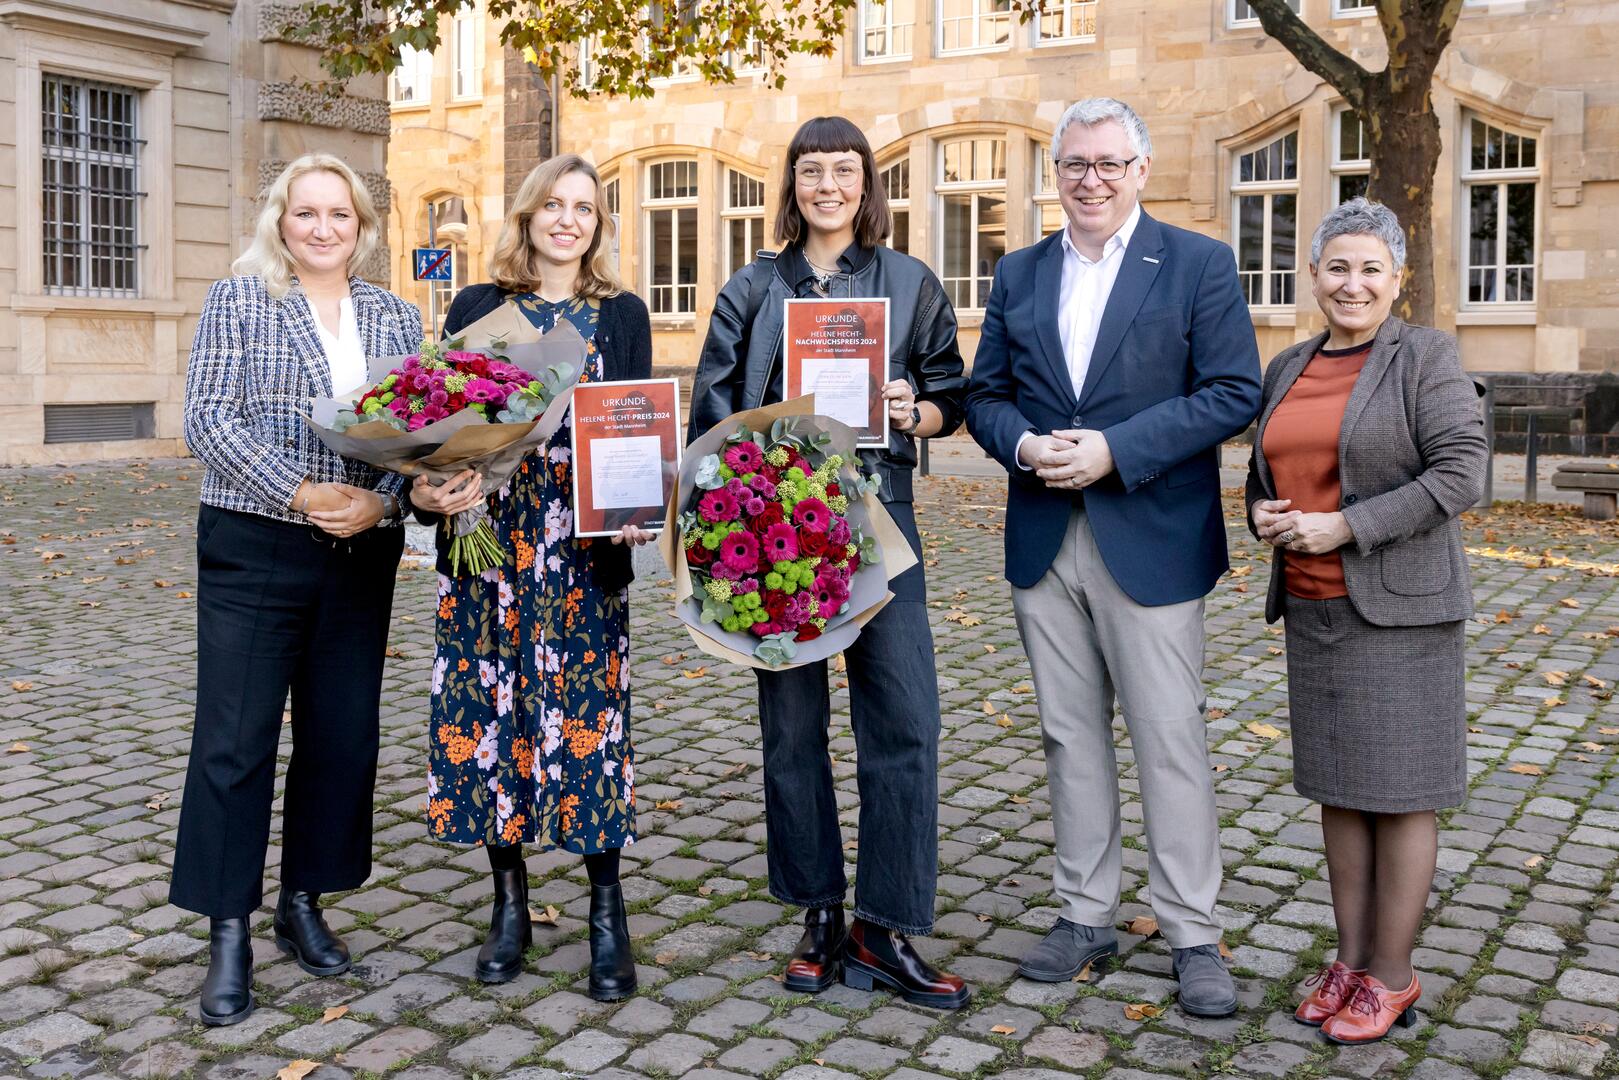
x: 777, y: 649
x: 708, y: 473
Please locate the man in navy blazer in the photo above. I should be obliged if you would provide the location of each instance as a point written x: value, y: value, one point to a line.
x: 1115, y: 356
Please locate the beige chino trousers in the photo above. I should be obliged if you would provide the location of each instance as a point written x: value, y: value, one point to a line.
x: 1089, y: 643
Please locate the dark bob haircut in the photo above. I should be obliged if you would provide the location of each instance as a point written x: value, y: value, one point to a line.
x: 832, y: 135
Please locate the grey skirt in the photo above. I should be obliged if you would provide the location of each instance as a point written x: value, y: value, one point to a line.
x: 1379, y: 713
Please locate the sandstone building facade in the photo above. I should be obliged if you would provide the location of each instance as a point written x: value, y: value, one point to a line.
x: 135, y: 139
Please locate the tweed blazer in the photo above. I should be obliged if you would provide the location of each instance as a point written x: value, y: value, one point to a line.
x: 256, y: 364
x: 1411, y: 457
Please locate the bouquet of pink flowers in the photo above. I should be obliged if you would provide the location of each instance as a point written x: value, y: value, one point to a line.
x: 448, y: 408
x: 781, y: 550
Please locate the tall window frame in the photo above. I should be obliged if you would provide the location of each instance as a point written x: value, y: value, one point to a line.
x: 1265, y: 220
x: 1353, y: 9
x: 1240, y: 15
x: 411, y: 83
x: 685, y: 68
x: 972, y: 26
x: 610, y: 192
x: 1049, y: 216
x: 886, y: 31
x: 465, y: 27
x: 1500, y: 175
x: 742, y: 216
x: 895, y: 178
x: 91, y: 201
x: 1351, y: 166
x: 669, y: 210
x: 971, y: 199
x: 1065, y: 22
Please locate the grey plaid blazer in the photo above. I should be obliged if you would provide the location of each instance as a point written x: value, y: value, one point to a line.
x: 256, y: 364
x: 1411, y: 458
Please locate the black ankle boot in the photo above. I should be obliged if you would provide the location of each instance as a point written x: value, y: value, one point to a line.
x: 301, y: 932
x: 501, y: 958
x: 612, y: 961
x: 227, y: 991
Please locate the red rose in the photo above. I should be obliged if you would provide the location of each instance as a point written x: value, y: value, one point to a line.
x: 833, y: 491
x: 775, y: 605
x: 698, y: 555
x: 771, y: 515
x: 811, y: 543
x: 808, y: 632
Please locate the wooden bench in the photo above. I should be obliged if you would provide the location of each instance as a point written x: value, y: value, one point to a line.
x: 1599, y: 480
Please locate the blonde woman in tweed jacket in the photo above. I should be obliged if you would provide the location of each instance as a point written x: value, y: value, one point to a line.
x: 1370, y: 443
x: 296, y: 552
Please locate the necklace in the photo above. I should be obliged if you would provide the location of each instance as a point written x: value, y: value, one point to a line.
x: 823, y: 276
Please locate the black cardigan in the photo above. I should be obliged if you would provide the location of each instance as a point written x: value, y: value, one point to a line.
x: 624, y: 340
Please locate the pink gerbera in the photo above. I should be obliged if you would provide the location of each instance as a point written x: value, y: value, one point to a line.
x: 484, y: 390
x: 718, y: 505
x: 744, y: 458
x: 813, y: 514
x: 781, y: 543
x: 740, y: 551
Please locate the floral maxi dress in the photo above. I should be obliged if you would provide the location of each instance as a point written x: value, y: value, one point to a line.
x: 529, y: 739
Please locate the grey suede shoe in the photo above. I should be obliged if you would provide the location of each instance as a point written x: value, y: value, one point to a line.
x: 1206, y: 987
x: 1067, y: 948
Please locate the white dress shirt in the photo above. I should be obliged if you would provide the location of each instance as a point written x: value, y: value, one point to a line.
x: 1086, y: 286
x: 345, y: 354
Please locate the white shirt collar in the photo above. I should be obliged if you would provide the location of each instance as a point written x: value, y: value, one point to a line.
x: 1117, y: 242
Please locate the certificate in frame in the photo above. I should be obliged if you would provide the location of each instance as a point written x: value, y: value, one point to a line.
x: 837, y: 350
x: 626, y: 454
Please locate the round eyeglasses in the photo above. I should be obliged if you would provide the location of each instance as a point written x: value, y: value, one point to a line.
x: 809, y: 174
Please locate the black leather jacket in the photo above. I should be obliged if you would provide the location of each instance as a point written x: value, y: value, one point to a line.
x: 741, y: 366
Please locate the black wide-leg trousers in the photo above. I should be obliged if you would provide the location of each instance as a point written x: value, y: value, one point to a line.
x: 282, y: 607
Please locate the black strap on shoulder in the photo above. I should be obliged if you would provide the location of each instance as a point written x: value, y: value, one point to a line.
x: 759, y: 287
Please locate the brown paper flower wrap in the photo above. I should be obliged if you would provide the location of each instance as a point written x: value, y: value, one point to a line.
x: 884, y: 556
x: 466, y: 439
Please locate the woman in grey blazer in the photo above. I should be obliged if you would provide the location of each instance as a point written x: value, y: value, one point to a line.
x: 296, y: 554
x: 1369, y: 445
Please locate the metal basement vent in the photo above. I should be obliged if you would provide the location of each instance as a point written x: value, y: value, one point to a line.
x: 99, y: 423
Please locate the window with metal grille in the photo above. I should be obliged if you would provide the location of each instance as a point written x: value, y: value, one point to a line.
x: 90, y: 187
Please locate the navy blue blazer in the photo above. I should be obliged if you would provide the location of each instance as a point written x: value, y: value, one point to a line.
x: 1175, y: 372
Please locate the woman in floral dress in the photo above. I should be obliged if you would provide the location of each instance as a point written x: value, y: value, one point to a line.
x: 529, y: 740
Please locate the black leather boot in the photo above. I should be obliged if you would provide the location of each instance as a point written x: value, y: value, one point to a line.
x: 612, y: 961
x: 814, y: 964
x: 301, y: 932
x: 227, y: 991
x: 501, y: 958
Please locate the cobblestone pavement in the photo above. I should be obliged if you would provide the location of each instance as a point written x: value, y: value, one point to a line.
x: 98, y: 976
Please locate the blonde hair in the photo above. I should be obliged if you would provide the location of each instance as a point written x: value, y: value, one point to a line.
x: 512, y: 265
x: 268, y: 258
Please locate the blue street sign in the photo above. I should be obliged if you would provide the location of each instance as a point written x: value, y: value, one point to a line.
x: 433, y: 264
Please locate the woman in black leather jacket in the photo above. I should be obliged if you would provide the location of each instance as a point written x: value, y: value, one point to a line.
x: 833, y: 219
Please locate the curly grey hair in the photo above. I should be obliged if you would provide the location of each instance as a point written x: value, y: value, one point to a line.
x: 1099, y: 110
x: 1360, y: 217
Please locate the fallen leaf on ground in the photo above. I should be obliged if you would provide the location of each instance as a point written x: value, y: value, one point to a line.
x: 1084, y: 974
x: 1023, y: 688
x: 1595, y: 748
x: 705, y: 890
x: 762, y: 957
x: 1525, y: 768
x: 1004, y: 721
x: 336, y: 1012
x: 1608, y: 731
x: 1592, y: 680
x: 1222, y: 767
x: 1569, y: 602
x: 1555, y: 678
x: 1225, y: 952
x: 162, y: 584
x: 18, y: 748
x: 1533, y: 861
x: 1144, y: 925
x: 982, y: 917
x: 1475, y: 731
x: 989, y: 708
x: 698, y: 674
x: 1003, y: 1029
x: 1216, y: 714
x: 1242, y: 571
x: 1504, y: 617
x: 989, y: 648
x: 1264, y: 731
x: 297, y: 1070
x: 666, y: 958
x: 1541, y: 628
x: 1140, y: 1010
x: 1588, y: 1040
x: 1018, y: 799
x: 1273, y: 650
x: 1554, y: 702
x: 548, y: 916
x: 839, y: 664
x: 668, y: 804
x: 22, y: 687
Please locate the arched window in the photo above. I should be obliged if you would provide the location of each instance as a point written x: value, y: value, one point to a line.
x: 971, y: 189
x: 670, y: 208
x: 1265, y: 218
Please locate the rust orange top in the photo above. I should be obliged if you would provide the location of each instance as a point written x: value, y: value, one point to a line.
x: 1301, y: 447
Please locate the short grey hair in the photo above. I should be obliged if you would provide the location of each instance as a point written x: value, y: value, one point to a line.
x: 1360, y: 217
x: 1099, y: 110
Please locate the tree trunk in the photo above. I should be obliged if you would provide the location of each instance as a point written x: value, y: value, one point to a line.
x: 1404, y: 149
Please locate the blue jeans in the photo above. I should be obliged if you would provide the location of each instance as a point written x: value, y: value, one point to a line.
x: 894, y: 708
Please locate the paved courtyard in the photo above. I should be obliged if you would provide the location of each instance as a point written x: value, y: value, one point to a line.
x: 98, y: 975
